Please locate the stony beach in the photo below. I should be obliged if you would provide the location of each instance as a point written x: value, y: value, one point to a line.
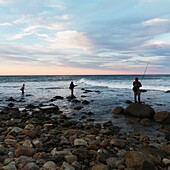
x: 43, y: 138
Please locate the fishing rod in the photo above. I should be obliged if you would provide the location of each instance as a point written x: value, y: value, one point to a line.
x: 145, y: 70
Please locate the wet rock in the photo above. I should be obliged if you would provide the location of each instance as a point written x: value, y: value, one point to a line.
x: 143, y: 90
x: 117, y: 110
x: 147, y: 122
x: 50, y: 109
x: 59, y: 97
x: 11, y: 99
x: 78, y: 107
x: 140, y: 110
x: 11, y: 104
x: 162, y: 117
x: 128, y: 102
x: 85, y: 102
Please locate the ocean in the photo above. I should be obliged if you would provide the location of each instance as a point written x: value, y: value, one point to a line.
x: 104, y: 93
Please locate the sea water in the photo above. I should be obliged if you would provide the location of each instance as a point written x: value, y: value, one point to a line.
x: 105, y: 93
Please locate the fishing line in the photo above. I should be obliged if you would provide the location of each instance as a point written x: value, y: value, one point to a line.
x: 145, y: 70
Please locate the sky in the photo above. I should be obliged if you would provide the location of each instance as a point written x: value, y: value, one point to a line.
x: 65, y: 37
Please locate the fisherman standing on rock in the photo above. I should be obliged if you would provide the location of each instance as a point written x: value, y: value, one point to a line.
x: 136, y: 88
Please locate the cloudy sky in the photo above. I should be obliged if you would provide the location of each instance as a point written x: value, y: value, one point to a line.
x: 84, y: 36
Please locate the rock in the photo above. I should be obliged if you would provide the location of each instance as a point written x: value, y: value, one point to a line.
x: 11, y: 104
x: 162, y: 117
x: 70, y: 158
x: 143, y: 90
x: 2, y: 149
x: 11, y: 99
x: 76, y: 165
x: 85, y: 102
x: 100, y: 167
x: 134, y: 159
x: 28, y: 143
x: 24, y: 151
x: 111, y: 161
x: 59, y: 97
x: 118, y: 143
x: 50, y: 166
x: 22, y: 161
x: 12, y: 142
x: 166, y: 161
x: 67, y: 166
x: 148, y: 165
x: 60, y: 153
x: 33, y: 133
x: 147, y: 122
x: 31, y: 166
x: 153, y: 154
x: 102, y: 157
x: 80, y: 142
x: 140, y: 110
x: 37, y: 143
x: 50, y: 109
x: 10, y: 166
x: 117, y: 110
x: 167, y: 149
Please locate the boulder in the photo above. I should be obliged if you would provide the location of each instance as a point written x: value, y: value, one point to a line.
x: 137, y: 160
x: 162, y: 117
x: 140, y: 110
x: 117, y: 110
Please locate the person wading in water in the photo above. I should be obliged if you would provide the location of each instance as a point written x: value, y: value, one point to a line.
x: 22, y: 88
x: 136, y: 88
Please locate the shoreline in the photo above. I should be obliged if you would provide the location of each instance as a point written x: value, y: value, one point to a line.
x: 44, y: 137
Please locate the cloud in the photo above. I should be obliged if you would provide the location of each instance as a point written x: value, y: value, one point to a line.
x: 3, y: 2
x: 85, y: 35
x: 155, y: 21
x: 70, y: 40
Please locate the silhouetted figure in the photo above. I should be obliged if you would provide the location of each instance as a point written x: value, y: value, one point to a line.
x: 22, y: 88
x: 71, y: 87
x: 136, y: 88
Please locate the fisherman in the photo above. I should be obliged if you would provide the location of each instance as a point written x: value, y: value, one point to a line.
x: 71, y: 87
x: 22, y: 88
x: 136, y: 88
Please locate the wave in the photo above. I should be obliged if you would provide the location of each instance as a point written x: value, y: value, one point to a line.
x: 124, y: 84
x: 106, y: 83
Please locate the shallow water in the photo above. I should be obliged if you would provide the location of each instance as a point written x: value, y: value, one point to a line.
x: 106, y: 93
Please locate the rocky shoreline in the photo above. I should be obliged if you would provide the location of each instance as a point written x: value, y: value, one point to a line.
x: 43, y: 138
